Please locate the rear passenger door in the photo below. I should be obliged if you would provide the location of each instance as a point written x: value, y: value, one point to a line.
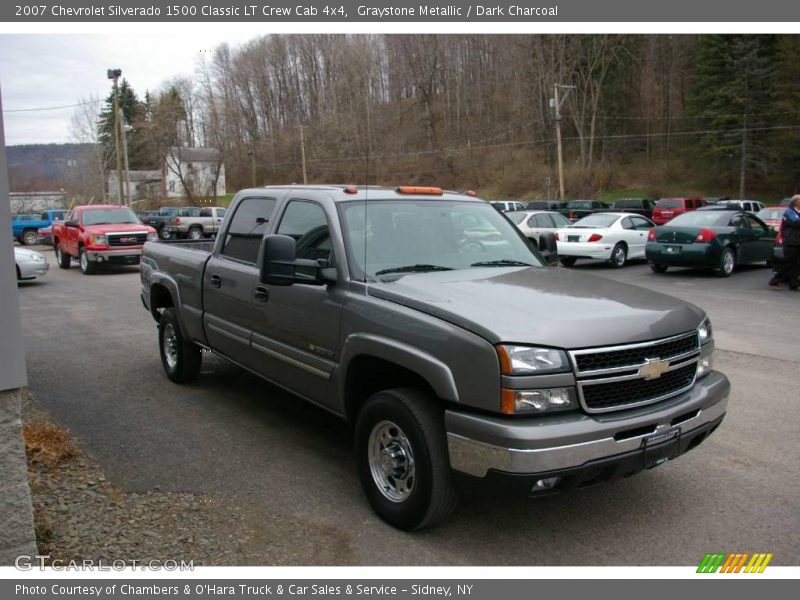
x: 230, y: 276
x: 763, y: 239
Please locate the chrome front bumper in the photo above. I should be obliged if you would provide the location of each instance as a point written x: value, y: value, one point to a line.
x: 477, y: 443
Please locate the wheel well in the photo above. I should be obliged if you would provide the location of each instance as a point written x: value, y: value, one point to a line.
x: 159, y: 298
x: 367, y: 375
x: 621, y: 243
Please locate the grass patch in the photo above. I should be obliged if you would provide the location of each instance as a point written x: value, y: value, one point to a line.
x: 48, y: 444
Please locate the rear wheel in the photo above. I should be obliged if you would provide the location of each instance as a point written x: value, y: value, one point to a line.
x: 165, y: 234
x: 656, y: 268
x: 402, y: 458
x: 619, y: 256
x: 29, y: 237
x: 727, y: 263
x: 88, y: 267
x: 180, y: 358
x: 567, y: 261
x: 64, y: 260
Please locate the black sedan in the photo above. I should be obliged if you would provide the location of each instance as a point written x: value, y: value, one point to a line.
x: 712, y: 238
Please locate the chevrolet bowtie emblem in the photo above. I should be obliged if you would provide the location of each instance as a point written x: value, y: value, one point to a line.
x: 654, y: 368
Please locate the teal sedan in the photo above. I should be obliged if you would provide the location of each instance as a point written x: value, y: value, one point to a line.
x: 714, y: 238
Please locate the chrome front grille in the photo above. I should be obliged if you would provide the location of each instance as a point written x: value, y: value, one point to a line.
x: 619, y: 377
x: 126, y: 239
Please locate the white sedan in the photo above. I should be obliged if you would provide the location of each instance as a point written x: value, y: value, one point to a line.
x: 533, y: 222
x: 614, y: 237
x: 30, y: 263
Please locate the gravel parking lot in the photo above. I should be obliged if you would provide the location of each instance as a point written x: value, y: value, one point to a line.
x: 288, y: 470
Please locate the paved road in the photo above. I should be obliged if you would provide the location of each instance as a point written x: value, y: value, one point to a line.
x: 93, y: 363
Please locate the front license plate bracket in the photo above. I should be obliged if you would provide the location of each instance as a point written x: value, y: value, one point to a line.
x: 661, y: 446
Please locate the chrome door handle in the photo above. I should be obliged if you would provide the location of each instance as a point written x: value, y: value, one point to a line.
x: 261, y: 294
x: 216, y: 281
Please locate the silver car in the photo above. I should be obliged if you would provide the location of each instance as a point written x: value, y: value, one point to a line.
x: 30, y: 263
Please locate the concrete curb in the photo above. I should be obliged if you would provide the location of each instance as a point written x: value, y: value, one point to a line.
x: 17, y: 535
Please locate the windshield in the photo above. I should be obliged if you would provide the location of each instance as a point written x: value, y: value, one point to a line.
x: 430, y: 235
x: 517, y: 216
x: 596, y: 220
x: 100, y: 216
x: 770, y: 214
x: 701, y: 218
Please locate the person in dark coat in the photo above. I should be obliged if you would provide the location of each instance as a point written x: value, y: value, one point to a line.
x: 789, y: 271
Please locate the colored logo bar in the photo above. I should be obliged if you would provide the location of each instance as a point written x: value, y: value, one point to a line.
x: 737, y: 562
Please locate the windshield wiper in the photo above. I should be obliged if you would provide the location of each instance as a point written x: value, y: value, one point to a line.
x: 421, y: 268
x: 505, y: 262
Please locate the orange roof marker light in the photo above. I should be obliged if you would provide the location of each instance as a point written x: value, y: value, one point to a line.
x: 426, y: 191
x: 351, y: 189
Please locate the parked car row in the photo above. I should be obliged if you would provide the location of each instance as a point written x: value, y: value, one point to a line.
x: 25, y: 228
x: 190, y: 222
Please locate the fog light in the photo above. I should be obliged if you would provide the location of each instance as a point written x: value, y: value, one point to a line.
x: 99, y: 259
x: 548, y: 483
x: 704, y: 366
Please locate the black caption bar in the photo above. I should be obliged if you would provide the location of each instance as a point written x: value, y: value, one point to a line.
x: 779, y: 11
x: 372, y: 589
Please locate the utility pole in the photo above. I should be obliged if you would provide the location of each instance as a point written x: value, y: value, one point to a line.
x: 252, y: 156
x: 115, y: 75
x: 124, y: 136
x: 303, y: 155
x: 556, y: 105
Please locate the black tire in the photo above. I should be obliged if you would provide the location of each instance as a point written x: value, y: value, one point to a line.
x: 88, y: 267
x: 567, y: 261
x: 184, y: 365
x: 164, y: 234
x: 19, y: 274
x: 63, y: 259
x: 727, y: 263
x: 195, y: 233
x: 619, y: 256
x: 656, y: 268
x: 29, y: 237
x: 418, y: 418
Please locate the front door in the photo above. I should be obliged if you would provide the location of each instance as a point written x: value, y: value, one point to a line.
x: 296, y: 337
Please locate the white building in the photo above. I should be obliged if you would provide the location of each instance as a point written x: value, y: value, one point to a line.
x: 144, y: 184
x: 195, y: 172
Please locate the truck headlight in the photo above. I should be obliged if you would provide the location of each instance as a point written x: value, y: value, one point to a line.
x: 704, y: 332
x: 516, y: 402
x: 97, y: 240
x: 152, y: 237
x: 528, y: 360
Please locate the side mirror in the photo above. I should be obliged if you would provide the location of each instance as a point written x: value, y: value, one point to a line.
x: 279, y: 265
x: 548, y: 247
x: 70, y: 223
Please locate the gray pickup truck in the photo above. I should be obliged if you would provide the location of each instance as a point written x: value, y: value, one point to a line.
x: 194, y: 222
x: 461, y: 359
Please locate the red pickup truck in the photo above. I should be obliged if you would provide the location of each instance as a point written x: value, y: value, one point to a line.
x: 99, y: 235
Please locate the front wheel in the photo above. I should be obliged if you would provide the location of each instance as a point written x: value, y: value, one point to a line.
x: 402, y: 458
x: 63, y: 259
x: 727, y: 262
x: 180, y: 358
x: 619, y: 256
x: 567, y: 261
x: 88, y: 267
x: 195, y: 233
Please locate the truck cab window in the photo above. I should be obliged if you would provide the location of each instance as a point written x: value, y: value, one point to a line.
x: 306, y: 223
x: 249, y: 223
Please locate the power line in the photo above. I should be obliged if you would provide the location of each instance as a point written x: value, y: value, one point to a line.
x: 41, y: 108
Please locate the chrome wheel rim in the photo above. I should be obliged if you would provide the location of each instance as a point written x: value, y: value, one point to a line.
x: 391, y: 461
x: 619, y: 256
x: 194, y: 234
x: 170, y: 345
x: 84, y: 261
x: 727, y: 263
x: 30, y: 238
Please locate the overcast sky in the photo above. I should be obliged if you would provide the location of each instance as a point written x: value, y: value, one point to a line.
x: 55, y: 70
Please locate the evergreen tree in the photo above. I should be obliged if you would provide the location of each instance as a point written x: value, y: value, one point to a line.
x: 733, y: 93
x: 133, y: 112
